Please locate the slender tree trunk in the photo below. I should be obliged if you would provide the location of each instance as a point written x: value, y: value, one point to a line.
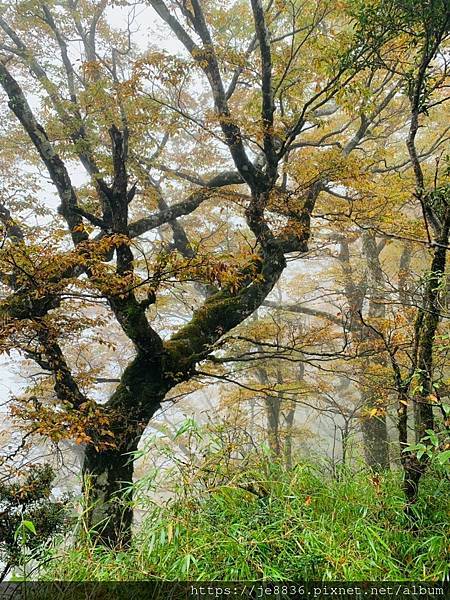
x: 376, y: 442
x: 289, y: 417
x: 289, y: 423
x: 412, y: 468
x: 273, y: 405
x: 410, y: 465
x: 423, y: 406
x: 345, y: 433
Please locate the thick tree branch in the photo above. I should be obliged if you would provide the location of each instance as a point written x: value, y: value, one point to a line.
x: 223, y: 311
x: 65, y: 386
x: 305, y: 310
x: 186, y: 206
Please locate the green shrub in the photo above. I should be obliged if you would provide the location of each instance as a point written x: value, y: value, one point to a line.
x: 29, y: 517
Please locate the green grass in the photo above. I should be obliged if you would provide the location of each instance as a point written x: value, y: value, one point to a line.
x: 307, y: 526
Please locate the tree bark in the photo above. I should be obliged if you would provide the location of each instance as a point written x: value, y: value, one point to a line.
x: 376, y: 442
x: 108, y: 470
x: 108, y: 491
x: 374, y: 429
x: 273, y: 406
x: 426, y: 327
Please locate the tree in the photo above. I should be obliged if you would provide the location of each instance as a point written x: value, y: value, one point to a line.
x: 128, y: 116
x: 426, y: 27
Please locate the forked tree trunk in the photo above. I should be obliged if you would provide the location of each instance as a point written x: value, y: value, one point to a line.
x: 279, y: 422
x: 374, y: 429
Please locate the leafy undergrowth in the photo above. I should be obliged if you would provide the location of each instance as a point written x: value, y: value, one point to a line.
x: 285, y: 525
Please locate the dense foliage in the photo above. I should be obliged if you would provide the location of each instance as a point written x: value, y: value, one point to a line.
x: 302, y: 525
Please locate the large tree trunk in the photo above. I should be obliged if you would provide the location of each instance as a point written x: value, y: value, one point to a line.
x: 108, y: 470
x: 108, y: 492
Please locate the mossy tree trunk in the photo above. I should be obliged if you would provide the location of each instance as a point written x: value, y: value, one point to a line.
x: 146, y: 382
x: 434, y: 202
x: 426, y: 329
x: 107, y: 486
x: 108, y: 469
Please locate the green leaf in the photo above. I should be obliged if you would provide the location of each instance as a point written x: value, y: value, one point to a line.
x: 433, y: 437
x: 443, y: 457
x: 188, y: 425
x: 30, y: 526
x: 421, y: 452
